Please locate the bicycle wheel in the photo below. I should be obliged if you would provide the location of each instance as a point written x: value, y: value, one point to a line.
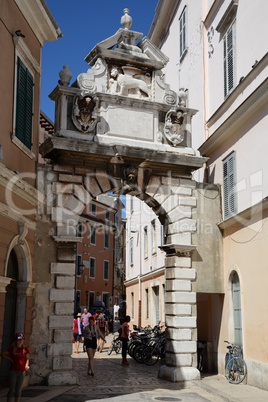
x: 132, y: 347
x: 138, y: 353
x: 118, y: 347
x: 149, y: 357
x: 236, y: 370
x: 109, y: 351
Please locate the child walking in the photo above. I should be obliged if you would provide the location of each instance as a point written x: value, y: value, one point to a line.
x: 18, y: 354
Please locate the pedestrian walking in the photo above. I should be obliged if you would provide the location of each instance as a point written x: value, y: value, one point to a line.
x: 92, y: 331
x: 18, y: 354
x: 102, y: 324
x: 124, y: 339
x: 77, y: 333
x: 85, y: 317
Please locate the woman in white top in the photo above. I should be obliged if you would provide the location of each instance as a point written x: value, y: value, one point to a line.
x: 91, y: 333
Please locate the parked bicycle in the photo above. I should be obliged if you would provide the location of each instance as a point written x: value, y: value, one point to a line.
x: 115, y: 345
x: 235, y: 366
x: 155, y: 350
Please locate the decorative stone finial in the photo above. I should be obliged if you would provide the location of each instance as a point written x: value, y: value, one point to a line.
x: 65, y: 76
x: 126, y: 20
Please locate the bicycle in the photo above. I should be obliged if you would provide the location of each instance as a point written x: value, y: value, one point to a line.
x: 235, y: 366
x: 115, y: 345
x: 154, y: 351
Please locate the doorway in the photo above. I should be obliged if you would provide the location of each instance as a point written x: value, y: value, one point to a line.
x: 10, y: 314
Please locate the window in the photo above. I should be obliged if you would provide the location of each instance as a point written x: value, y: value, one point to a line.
x: 24, y: 104
x: 132, y: 305
x: 229, y: 60
x: 237, y: 310
x: 131, y: 203
x: 92, y: 235
x: 107, y: 215
x: 91, y: 296
x: 79, y: 265
x: 146, y: 242
x: 106, y: 239
x: 153, y: 233
x: 92, y: 268
x: 147, y: 304
x: 183, y: 37
x: 229, y: 186
x: 131, y: 250
x: 106, y: 270
x: 79, y: 229
x: 93, y: 209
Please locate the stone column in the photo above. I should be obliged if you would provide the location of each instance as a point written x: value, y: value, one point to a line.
x: 61, y: 320
x: 180, y: 308
x: 180, y: 300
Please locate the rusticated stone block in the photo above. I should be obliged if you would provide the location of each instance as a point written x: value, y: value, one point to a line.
x: 180, y: 297
x: 179, y: 334
x: 178, y: 359
x: 92, y: 185
x: 69, y: 178
x: 178, y: 284
x: 63, y: 335
x: 180, y: 346
x: 62, y: 188
x: 180, y: 238
x: 62, y: 361
x: 61, y: 295
x: 175, y: 261
x: 60, y: 322
x: 62, y: 268
x: 59, y: 349
x: 180, y: 322
x: 180, y: 212
x: 187, y: 201
x: 184, y: 225
x: 178, y: 309
x: 65, y: 282
x: 62, y: 378
x: 64, y: 308
x: 180, y: 273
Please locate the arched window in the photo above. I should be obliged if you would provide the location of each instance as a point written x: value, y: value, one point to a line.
x: 238, y: 338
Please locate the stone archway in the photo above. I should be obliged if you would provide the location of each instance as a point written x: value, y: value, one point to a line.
x: 119, y: 128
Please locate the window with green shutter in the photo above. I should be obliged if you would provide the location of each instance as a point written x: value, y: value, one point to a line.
x: 229, y: 186
x: 24, y: 105
x: 183, y: 33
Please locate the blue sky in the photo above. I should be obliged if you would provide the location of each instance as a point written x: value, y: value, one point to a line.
x: 84, y: 23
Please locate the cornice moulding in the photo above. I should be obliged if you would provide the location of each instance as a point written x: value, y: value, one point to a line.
x: 19, y: 186
x: 37, y: 18
x: 10, y: 213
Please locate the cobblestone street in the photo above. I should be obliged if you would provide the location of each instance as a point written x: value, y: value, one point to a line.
x: 140, y: 382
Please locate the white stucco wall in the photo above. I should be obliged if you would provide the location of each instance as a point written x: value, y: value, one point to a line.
x: 137, y: 220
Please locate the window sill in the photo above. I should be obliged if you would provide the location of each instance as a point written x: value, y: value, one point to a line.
x: 22, y: 147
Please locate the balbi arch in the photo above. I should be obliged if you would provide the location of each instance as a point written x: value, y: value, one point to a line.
x: 127, y: 141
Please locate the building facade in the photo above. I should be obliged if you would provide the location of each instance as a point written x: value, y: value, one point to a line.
x: 23, y: 30
x: 218, y: 54
x: 97, y: 263
x: 145, y: 265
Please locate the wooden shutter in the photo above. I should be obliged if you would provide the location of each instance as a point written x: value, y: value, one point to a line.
x: 229, y: 185
x: 229, y: 61
x: 24, y: 105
